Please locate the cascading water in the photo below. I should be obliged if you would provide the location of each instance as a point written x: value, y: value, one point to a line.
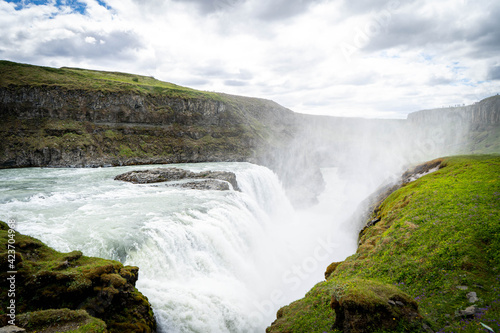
x: 210, y: 261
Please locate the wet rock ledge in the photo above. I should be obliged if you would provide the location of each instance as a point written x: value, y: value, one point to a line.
x: 206, y: 180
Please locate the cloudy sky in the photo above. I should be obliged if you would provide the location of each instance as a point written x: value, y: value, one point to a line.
x: 368, y: 58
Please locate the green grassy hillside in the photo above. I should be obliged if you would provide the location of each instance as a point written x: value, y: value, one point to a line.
x: 437, y: 240
x: 92, y: 80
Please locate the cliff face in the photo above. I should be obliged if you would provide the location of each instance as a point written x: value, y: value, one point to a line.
x: 465, y: 129
x: 55, y: 126
x: 111, y: 107
x: 483, y: 113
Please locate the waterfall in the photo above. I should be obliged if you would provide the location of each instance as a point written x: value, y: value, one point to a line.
x: 210, y: 261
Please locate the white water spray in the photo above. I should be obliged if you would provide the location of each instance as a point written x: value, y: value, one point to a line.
x: 210, y: 261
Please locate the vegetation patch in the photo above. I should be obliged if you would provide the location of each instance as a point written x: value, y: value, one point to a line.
x: 61, y: 320
x: 438, y: 241
x: 63, y: 282
x: 15, y: 74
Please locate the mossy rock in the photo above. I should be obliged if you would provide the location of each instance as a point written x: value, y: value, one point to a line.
x: 47, y: 279
x: 60, y: 320
x: 331, y: 268
x: 363, y: 306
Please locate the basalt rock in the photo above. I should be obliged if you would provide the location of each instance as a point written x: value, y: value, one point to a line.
x: 481, y: 113
x: 421, y: 170
x: 209, y: 184
x: 175, y: 174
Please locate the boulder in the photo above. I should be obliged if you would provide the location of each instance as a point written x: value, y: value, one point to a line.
x: 98, y: 288
x: 469, y: 312
x: 159, y: 175
x: 363, y: 306
x: 472, y: 297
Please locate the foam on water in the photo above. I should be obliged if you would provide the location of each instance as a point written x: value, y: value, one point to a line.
x: 210, y: 261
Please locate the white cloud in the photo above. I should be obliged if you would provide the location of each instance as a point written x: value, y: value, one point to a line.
x: 404, y: 56
x: 90, y: 40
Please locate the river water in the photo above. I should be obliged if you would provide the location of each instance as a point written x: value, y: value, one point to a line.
x: 210, y: 261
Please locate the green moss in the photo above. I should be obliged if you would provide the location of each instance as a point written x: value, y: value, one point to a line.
x: 369, y: 293
x: 110, y: 134
x: 61, y: 320
x: 50, y: 280
x: 125, y: 151
x: 331, y: 268
x: 437, y: 233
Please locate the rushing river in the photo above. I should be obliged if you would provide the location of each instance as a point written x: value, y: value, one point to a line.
x: 210, y: 261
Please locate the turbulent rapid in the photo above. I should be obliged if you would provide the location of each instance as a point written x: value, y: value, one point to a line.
x: 210, y: 261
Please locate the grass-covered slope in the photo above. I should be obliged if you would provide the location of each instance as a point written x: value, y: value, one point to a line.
x: 15, y: 74
x: 438, y: 240
x: 68, y: 291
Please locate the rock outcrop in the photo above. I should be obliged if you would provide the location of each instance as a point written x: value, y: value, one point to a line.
x: 47, y: 280
x: 210, y: 179
x: 366, y: 306
x: 60, y: 320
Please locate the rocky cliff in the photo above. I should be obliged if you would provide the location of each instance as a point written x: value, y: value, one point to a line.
x: 64, y: 118
x: 464, y: 129
x: 483, y: 113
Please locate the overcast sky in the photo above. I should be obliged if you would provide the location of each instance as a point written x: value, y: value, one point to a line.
x: 364, y: 58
